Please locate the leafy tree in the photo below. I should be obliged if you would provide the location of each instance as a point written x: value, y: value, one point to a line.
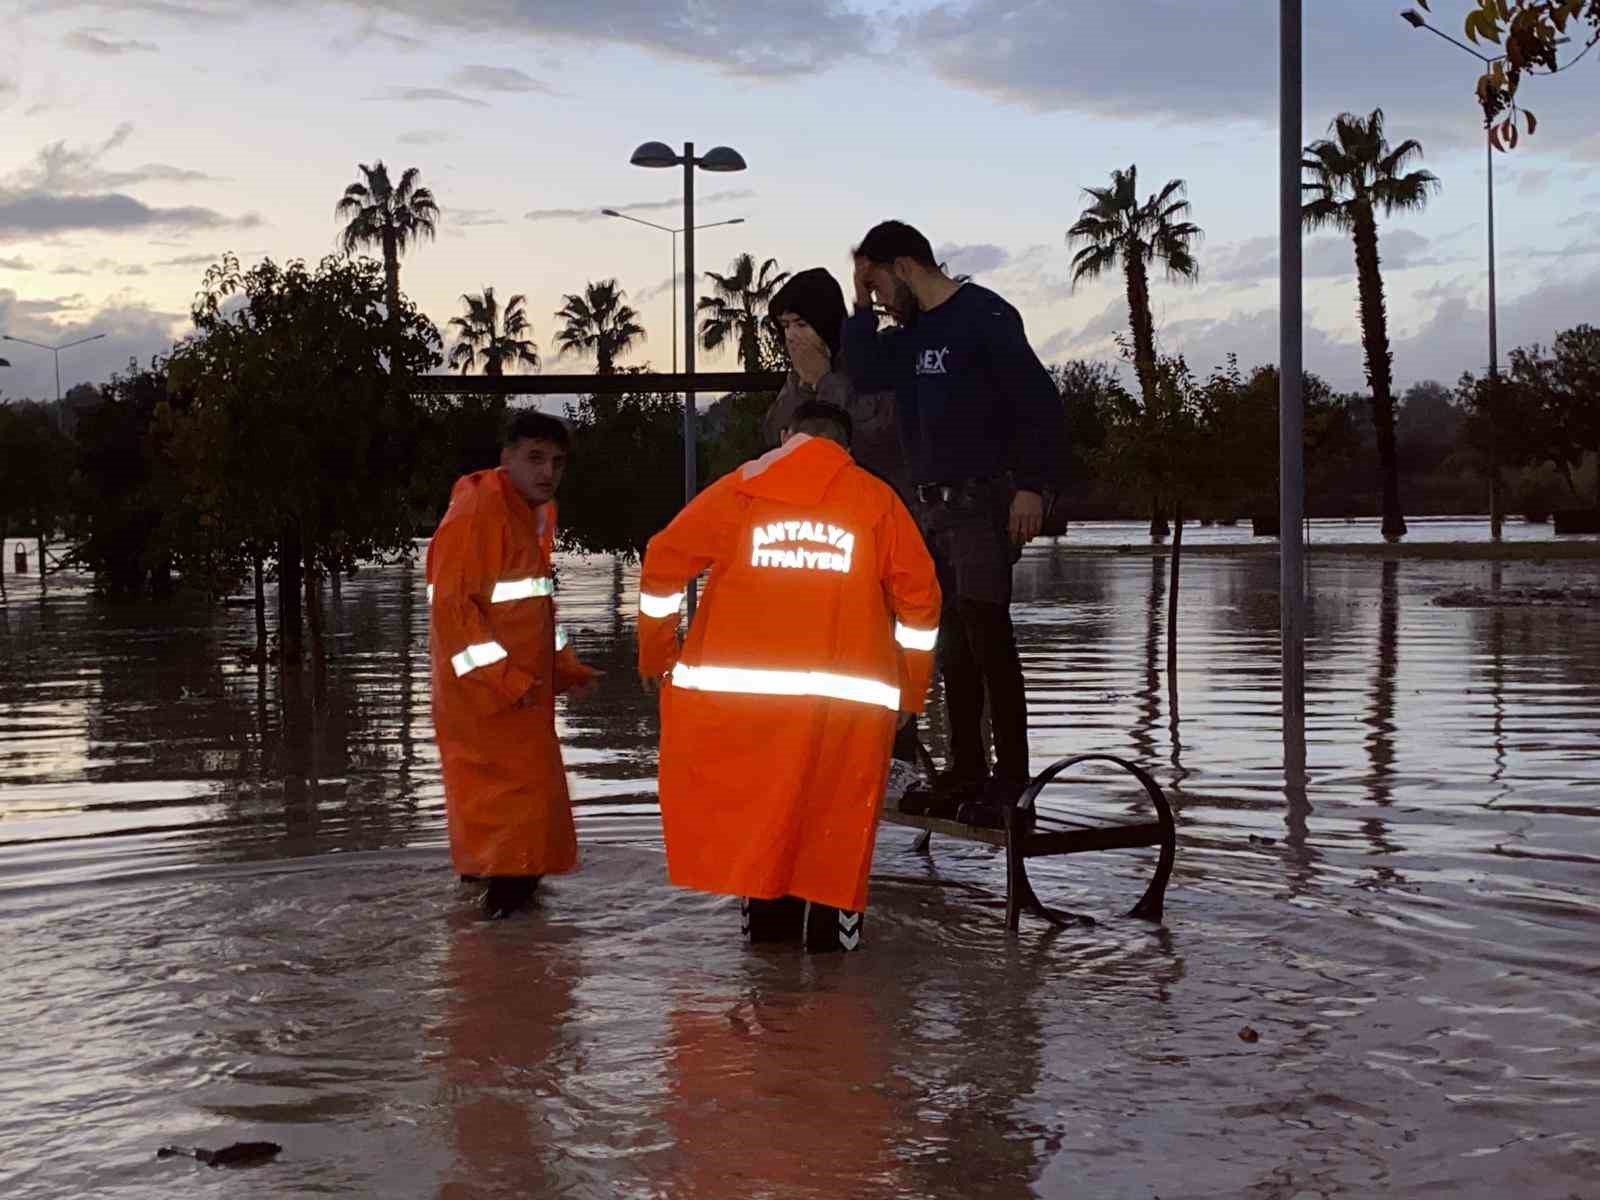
x: 599, y: 324
x: 388, y: 216
x: 1427, y: 427
x: 36, y: 462
x: 1117, y: 231
x: 123, y: 490
x: 737, y: 307
x: 496, y: 339
x: 1531, y: 34
x: 301, y: 415
x: 1557, y: 396
x: 1352, y: 176
x: 626, y: 480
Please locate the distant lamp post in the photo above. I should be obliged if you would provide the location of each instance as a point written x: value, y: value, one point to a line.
x: 1496, y: 518
x: 611, y: 212
x: 56, y: 350
x: 720, y: 159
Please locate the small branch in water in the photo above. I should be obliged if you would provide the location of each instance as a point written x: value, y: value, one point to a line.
x: 240, y: 1154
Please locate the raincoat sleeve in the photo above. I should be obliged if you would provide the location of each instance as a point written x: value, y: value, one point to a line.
x: 694, y: 540
x: 912, y: 586
x: 467, y: 555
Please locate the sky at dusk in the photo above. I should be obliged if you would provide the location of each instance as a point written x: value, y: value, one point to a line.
x: 139, y: 139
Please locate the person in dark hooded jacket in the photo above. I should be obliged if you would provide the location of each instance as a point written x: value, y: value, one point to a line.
x: 809, y: 312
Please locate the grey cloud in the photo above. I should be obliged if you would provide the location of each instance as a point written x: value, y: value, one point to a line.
x: 646, y: 294
x: 735, y: 37
x: 1531, y: 183
x: 426, y: 137
x: 189, y: 260
x: 16, y: 264
x: 1256, y: 259
x: 371, y: 31
x: 1128, y: 61
x: 105, y: 43
x: 594, y: 214
x: 416, y: 95
x: 499, y: 79
x: 34, y: 213
x: 470, y: 218
x: 133, y: 331
x: 977, y: 259
x: 58, y: 167
x: 70, y: 269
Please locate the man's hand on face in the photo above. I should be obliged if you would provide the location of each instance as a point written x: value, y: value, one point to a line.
x: 809, y: 353
x: 1027, y: 515
x: 863, y: 282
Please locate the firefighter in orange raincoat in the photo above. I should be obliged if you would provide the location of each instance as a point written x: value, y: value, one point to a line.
x: 815, y: 635
x: 499, y: 659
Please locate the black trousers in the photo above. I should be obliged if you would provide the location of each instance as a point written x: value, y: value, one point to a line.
x: 966, y: 529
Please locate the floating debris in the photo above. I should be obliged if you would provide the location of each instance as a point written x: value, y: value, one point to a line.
x: 240, y: 1154
x: 1528, y: 597
x: 1247, y: 1034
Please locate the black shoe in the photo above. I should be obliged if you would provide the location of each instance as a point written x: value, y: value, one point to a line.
x: 508, y: 894
x: 831, y: 929
x: 988, y: 811
x: 780, y: 920
x: 943, y: 797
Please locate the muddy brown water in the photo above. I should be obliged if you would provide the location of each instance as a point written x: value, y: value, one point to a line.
x: 227, y: 915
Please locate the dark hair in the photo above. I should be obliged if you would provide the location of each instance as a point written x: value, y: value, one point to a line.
x: 823, y: 420
x: 889, y: 240
x: 530, y: 423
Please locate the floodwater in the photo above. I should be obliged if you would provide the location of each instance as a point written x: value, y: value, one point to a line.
x: 228, y: 915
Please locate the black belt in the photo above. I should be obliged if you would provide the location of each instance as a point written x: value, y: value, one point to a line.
x: 944, y: 493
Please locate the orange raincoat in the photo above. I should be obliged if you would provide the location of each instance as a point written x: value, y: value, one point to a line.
x: 497, y: 668
x: 816, y: 629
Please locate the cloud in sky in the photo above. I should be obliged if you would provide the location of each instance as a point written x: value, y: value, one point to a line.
x: 427, y: 137
x: 133, y: 331
x: 105, y: 43
x: 17, y: 263
x: 31, y: 214
x: 639, y: 206
x: 499, y: 79
x: 977, y: 259
x: 471, y: 218
x: 423, y: 95
x: 60, y: 167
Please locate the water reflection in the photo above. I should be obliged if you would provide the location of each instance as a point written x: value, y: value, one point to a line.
x: 1416, y: 952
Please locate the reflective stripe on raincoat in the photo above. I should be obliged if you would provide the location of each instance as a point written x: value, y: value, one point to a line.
x: 816, y: 629
x: 496, y: 673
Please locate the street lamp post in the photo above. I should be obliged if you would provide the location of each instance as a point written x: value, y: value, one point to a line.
x: 718, y: 158
x: 56, y: 350
x: 611, y: 212
x: 1496, y: 517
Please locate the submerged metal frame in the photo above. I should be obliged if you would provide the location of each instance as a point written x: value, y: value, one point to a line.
x: 1021, y: 845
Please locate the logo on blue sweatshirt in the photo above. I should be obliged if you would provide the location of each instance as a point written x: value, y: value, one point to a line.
x: 931, y: 362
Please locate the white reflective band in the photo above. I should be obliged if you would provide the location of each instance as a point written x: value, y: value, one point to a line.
x: 430, y: 593
x: 786, y: 683
x: 561, y: 638
x: 659, y: 606
x: 522, y: 589
x: 916, y: 639
x: 482, y: 654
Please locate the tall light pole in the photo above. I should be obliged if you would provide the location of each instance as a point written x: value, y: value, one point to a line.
x: 1291, y: 401
x: 1496, y: 517
x: 56, y: 350
x: 611, y: 212
x: 718, y: 158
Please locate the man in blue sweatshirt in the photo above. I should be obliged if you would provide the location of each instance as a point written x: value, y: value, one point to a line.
x: 983, y: 433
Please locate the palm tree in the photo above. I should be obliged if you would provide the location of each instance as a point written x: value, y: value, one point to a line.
x: 387, y: 215
x: 1352, y: 175
x: 1117, y: 230
x: 496, y: 337
x: 738, y: 305
x: 599, y: 323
